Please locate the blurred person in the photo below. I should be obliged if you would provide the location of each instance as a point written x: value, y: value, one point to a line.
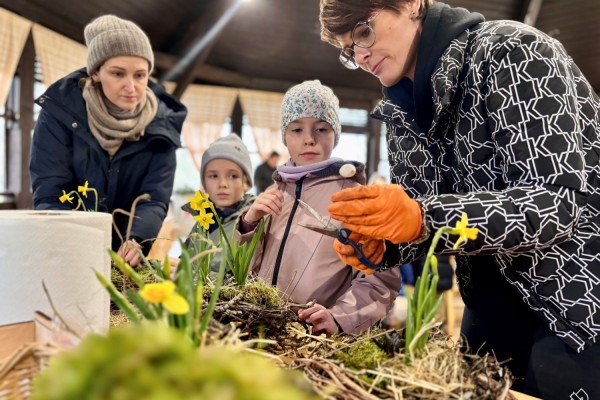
x: 263, y: 175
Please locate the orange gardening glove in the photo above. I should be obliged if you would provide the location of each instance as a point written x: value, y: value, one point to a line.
x: 373, y: 250
x: 379, y: 211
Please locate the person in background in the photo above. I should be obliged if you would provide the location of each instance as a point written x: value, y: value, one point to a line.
x: 299, y: 261
x: 491, y: 119
x: 263, y: 176
x: 226, y: 176
x: 108, y: 125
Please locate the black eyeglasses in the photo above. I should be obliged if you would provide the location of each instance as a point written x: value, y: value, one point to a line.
x: 362, y: 36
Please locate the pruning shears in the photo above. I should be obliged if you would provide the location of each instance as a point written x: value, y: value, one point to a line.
x: 341, y: 234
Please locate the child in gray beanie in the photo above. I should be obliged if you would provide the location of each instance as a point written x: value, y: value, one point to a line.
x: 302, y: 263
x: 229, y: 148
x: 226, y: 176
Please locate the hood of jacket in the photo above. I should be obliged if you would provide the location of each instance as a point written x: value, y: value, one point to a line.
x: 332, y: 171
x: 441, y: 25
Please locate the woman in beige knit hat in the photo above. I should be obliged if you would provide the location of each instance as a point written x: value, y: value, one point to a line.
x: 108, y: 125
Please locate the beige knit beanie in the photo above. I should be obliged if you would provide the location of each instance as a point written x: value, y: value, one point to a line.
x: 110, y: 36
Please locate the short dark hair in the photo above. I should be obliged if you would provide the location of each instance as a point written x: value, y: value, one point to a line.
x: 339, y: 16
x: 274, y: 154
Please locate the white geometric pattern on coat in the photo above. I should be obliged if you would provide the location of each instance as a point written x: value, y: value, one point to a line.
x: 515, y: 144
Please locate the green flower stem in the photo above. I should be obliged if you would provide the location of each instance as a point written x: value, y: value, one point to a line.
x: 141, y: 305
x: 221, y: 229
x: 95, y: 194
x: 79, y: 200
x: 197, y: 312
x: 166, y: 267
x: 118, y: 298
x: 126, y: 269
x: 144, y: 196
x: 185, y: 285
x: 423, y: 304
x: 213, y: 298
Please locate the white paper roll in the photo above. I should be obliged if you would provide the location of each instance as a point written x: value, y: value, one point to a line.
x: 60, y: 248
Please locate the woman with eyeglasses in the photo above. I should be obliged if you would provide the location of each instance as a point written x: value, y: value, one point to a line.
x: 492, y: 119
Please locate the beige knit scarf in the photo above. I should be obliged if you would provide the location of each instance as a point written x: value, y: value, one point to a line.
x: 110, y: 124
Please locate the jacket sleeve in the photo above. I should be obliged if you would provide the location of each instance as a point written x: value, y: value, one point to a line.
x: 368, y: 300
x: 530, y: 98
x: 51, y: 163
x: 158, y: 183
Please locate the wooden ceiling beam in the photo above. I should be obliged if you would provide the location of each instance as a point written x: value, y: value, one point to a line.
x: 349, y: 97
x: 199, y: 41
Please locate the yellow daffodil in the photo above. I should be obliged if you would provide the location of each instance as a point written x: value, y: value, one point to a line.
x: 83, y: 189
x: 200, y: 201
x: 65, y: 197
x: 204, y: 219
x: 463, y: 232
x: 164, y: 293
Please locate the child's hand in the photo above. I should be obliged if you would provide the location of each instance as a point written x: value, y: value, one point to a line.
x: 321, y: 320
x: 268, y: 202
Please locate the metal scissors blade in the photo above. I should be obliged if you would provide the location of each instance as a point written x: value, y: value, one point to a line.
x: 342, y: 234
x: 329, y: 231
x: 317, y: 216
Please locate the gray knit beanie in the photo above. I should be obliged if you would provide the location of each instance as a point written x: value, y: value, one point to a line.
x: 311, y: 99
x: 110, y: 36
x: 229, y: 148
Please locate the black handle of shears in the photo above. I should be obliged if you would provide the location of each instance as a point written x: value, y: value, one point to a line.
x: 344, y: 237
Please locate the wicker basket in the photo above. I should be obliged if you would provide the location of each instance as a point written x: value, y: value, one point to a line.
x: 18, y: 371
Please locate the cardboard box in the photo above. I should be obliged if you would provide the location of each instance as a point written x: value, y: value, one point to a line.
x: 41, y: 329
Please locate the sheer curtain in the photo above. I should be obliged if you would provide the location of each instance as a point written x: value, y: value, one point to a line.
x: 264, y: 116
x: 58, y: 55
x: 208, y: 108
x: 13, y: 34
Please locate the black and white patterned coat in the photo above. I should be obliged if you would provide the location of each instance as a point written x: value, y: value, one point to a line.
x: 515, y: 145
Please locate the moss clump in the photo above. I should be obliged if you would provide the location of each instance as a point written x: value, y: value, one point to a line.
x: 254, y: 292
x: 257, y: 292
x: 122, y: 282
x: 153, y: 361
x: 362, y: 355
x: 226, y: 293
